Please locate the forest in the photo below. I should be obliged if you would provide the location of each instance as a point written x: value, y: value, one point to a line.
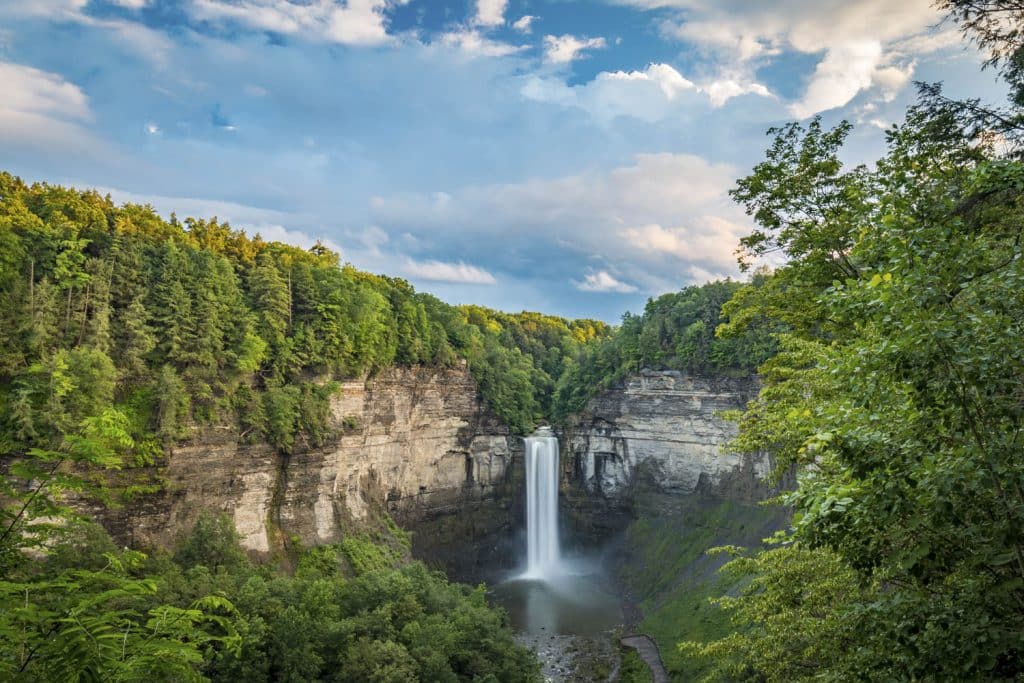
x: 121, y: 334
x: 895, y: 394
x: 178, y: 323
x: 887, y: 344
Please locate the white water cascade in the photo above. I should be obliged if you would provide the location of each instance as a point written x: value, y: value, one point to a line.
x: 542, y: 550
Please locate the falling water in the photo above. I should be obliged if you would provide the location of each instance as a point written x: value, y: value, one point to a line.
x: 542, y: 506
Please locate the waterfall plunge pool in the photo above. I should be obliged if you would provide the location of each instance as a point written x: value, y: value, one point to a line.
x: 577, y: 604
x: 554, y: 595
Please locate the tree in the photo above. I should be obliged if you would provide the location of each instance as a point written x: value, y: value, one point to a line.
x: 896, y: 393
x: 173, y: 404
x: 85, y: 624
x: 271, y: 300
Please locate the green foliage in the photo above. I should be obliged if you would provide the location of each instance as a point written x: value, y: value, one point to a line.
x: 99, y: 301
x: 793, y: 619
x: 672, y: 576
x: 365, y: 556
x: 213, y: 543
x: 633, y: 668
x: 97, y: 625
x: 675, y: 332
x: 390, y: 622
x: 897, y: 395
x: 84, y: 613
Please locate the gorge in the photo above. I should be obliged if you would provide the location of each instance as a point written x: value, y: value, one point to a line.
x: 482, y: 503
x: 233, y: 411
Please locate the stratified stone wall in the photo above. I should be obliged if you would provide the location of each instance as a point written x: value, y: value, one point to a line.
x: 661, y: 432
x: 417, y: 442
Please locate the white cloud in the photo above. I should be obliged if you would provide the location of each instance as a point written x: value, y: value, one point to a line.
x: 602, y: 281
x: 845, y: 71
x: 565, y: 48
x: 149, y: 44
x: 866, y: 44
x: 668, y: 80
x: 54, y: 9
x: 273, y: 232
x: 643, y: 224
x: 524, y: 24
x: 700, y: 240
x: 34, y: 92
x: 724, y: 89
x: 654, y: 94
x: 476, y: 44
x: 132, y: 4
x: 490, y: 12
x: 40, y: 109
x: 440, y: 271
x: 373, y: 238
x: 268, y: 223
x: 355, y: 22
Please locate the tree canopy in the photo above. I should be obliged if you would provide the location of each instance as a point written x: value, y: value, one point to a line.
x: 896, y: 394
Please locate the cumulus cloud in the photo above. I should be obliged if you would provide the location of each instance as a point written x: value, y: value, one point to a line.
x: 475, y: 44
x: 864, y: 43
x: 490, y: 12
x: 566, y: 48
x: 42, y: 109
x: 700, y: 240
x: 603, y: 281
x: 441, y: 271
x: 649, y: 225
x: 653, y: 94
x: 355, y: 22
x: 32, y: 91
x: 524, y: 24
x: 722, y: 90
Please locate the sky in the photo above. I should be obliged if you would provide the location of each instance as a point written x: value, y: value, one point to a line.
x: 572, y: 157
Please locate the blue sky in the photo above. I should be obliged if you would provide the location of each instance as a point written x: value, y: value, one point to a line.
x: 570, y: 157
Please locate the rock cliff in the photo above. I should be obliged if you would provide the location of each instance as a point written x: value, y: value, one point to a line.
x: 420, y: 444
x: 417, y: 442
x: 660, y: 432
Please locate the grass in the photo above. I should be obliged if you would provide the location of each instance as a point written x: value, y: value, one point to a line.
x: 668, y: 570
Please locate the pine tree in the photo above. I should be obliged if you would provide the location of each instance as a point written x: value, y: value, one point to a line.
x: 269, y: 293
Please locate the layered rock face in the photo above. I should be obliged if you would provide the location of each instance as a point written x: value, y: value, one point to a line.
x: 662, y: 432
x: 417, y: 442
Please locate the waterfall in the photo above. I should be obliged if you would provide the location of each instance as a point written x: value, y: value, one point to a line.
x: 542, y: 506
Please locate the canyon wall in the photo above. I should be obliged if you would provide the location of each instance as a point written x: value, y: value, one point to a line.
x: 659, y: 436
x: 417, y: 442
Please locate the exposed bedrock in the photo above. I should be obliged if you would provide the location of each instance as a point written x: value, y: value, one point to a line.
x: 417, y: 442
x: 420, y: 444
x: 660, y: 432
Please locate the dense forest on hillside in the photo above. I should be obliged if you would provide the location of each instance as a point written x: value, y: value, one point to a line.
x: 896, y: 394
x: 185, y: 322
x: 356, y: 611
x: 675, y: 332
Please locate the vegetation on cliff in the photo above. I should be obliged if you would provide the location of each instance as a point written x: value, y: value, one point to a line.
x: 897, y: 395
x: 121, y: 332
x: 675, y: 332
